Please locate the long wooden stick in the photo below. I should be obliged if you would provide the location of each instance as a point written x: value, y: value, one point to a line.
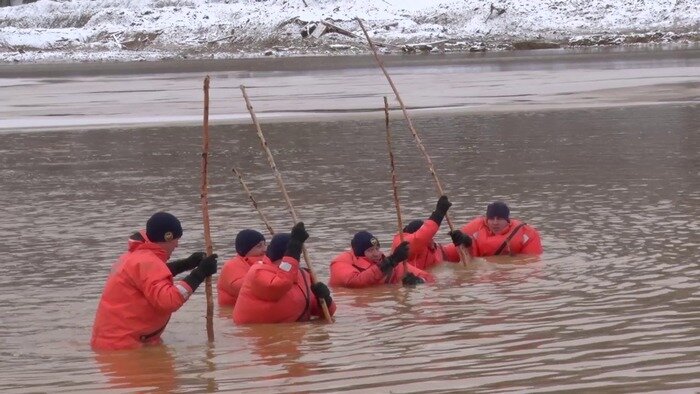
x: 393, y: 176
x: 205, y: 210
x: 278, y: 176
x: 252, y: 200
x: 462, y: 256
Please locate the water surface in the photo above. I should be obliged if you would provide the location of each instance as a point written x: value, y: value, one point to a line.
x: 611, y: 306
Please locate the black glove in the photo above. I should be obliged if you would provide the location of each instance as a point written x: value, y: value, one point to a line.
x: 206, y: 268
x: 179, y: 266
x: 321, y: 292
x: 441, y: 208
x: 411, y: 280
x: 298, y: 236
x: 460, y: 238
x: 400, y: 254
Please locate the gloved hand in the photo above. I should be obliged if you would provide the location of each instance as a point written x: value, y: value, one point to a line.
x: 400, y: 254
x: 443, y: 204
x: 460, y: 238
x: 298, y: 236
x: 206, y: 268
x: 411, y: 280
x: 179, y: 266
x: 322, y: 292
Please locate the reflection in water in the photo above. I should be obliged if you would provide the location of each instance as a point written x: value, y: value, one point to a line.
x: 149, y: 369
x: 280, y: 346
x: 611, y: 305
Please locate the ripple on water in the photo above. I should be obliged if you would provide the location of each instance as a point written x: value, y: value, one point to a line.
x: 611, y: 305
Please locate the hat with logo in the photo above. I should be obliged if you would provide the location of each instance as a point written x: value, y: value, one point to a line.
x: 361, y: 241
x: 163, y: 227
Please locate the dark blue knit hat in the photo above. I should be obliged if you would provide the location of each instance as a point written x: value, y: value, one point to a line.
x: 361, y: 241
x: 163, y: 227
x: 413, y: 226
x: 277, y: 246
x: 246, y: 240
x: 498, y: 209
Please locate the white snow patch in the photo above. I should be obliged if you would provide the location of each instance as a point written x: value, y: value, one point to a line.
x: 81, y: 30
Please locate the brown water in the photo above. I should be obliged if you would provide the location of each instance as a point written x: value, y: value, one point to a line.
x: 612, y: 305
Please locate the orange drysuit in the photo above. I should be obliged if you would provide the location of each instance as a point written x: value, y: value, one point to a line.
x: 277, y: 293
x: 526, y: 240
x: 424, y: 253
x: 348, y: 270
x: 231, y: 278
x: 138, y: 299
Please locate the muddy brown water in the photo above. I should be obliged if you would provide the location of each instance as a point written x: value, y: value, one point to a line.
x: 598, y: 150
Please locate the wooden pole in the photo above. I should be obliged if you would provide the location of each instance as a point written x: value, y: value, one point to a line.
x: 252, y: 200
x: 205, y: 210
x: 462, y: 256
x: 278, y: 176
x: 393, y: 176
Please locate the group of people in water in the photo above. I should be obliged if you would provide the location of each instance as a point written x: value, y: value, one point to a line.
x: 264, y: 283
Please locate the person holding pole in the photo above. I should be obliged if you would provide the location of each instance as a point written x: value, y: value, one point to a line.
x: 365, y: 265
x: 495, y: 234
x: 425, y: 253
x: 140, y: 294
x: 281, y: 292
x: 250, y: 249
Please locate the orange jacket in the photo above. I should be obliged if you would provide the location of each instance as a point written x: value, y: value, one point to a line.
x: 231, y: 278
x: 138, y: 299
x: 348, y: 270
x: 485, y: 243
x: 274, y: 293
x: 424, y: 253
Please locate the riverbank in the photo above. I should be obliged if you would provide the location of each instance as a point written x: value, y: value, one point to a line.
x: 145, y: 30
x: 84, y: 96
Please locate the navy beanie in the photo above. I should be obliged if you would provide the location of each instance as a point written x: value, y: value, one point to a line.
x: 498, y: 209
x: 413, y: 226
x: 163, y: 227
x: 277, y: 246
x: 362, y: 241
x: 246, y: 240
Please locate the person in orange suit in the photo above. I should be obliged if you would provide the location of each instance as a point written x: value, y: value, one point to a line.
x: 281, y: 292
x: 425, y: 253
x: 140, y: 294
x: 365, y: 265
x: 495, y: 234
x: 250, y: 249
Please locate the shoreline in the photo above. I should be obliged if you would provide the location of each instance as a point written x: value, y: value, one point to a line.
x: 342, y: 61
x: 315, y: 117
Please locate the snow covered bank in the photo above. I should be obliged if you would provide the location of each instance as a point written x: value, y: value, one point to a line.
x: 109, y: 30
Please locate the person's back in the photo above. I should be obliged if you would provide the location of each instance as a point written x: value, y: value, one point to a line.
x: 270, y: 294
x: 281, y: 292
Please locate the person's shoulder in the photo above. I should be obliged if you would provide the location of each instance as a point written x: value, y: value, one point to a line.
x: 234, y: 260
x: 476, y: 222
x: 261, y: 269
x: 343, y: 257
x: 526, y: 226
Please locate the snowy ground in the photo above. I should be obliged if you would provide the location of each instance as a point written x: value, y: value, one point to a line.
x: 115, y: 30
